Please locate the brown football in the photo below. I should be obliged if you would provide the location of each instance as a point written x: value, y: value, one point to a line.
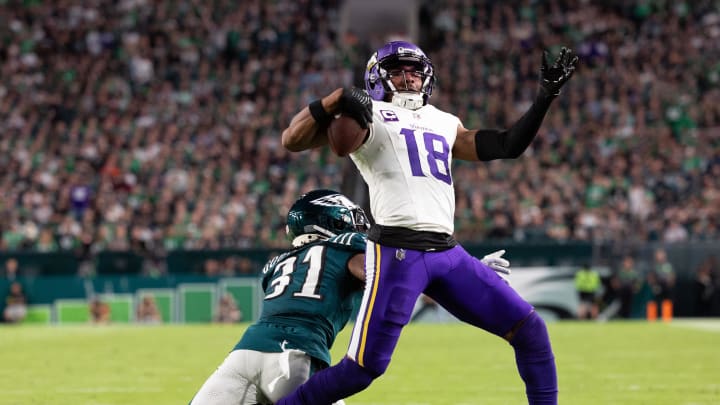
x: 345, y: 135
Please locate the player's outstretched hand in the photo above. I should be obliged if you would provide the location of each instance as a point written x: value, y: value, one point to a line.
x: 496, y: 262
x: 357, y: 104
x: 552, y: 78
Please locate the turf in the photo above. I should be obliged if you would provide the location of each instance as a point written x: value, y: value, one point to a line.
x: 608, y: 363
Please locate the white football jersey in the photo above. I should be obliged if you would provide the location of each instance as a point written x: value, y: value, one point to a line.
x: 406, y: 165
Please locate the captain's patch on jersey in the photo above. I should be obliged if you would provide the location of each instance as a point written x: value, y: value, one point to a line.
x: 389, y: 115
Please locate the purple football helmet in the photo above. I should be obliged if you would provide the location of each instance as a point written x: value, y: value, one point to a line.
x: 394, y: 54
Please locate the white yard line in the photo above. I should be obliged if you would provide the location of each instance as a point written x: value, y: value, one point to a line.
x: 712, y: 325
x: 96, y: 390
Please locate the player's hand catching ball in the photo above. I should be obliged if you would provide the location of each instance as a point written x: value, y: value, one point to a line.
x: 552, y: 78
x: 357, y: 104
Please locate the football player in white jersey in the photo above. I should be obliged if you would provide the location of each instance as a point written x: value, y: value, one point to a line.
x: 405, y: 159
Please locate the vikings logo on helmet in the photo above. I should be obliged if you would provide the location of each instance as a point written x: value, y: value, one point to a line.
x: 372, y: 62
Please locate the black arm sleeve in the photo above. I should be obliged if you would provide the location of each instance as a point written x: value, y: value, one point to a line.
x: 510, y: 143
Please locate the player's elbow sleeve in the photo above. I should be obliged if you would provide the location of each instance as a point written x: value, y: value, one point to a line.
x: 489, y: 144
x: 514, y: 153
x: 501, y: 144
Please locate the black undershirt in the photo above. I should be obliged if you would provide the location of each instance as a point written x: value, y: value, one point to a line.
x: 405, y: 238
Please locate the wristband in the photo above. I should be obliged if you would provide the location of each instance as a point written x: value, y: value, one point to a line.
x: 318, y: 113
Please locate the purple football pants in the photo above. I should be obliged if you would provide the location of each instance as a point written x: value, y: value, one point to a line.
x: 459, y: 282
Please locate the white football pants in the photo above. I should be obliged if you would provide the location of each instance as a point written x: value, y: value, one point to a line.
x: 248, y: 377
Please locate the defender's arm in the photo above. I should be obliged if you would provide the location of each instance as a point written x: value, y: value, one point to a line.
x: 357, y: 266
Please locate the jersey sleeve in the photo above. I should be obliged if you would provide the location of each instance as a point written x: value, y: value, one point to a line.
x: 351, y: 241
x: 453, y: 117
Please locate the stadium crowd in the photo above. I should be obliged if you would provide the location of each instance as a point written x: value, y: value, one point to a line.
x: 154, y: 126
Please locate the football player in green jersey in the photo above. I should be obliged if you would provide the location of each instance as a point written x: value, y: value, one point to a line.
x: 310, y: 292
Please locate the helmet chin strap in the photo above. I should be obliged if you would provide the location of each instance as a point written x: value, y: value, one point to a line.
x: 306, y: 238
x: 409, y: 100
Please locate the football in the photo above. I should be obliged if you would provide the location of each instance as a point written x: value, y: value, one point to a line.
x: 345, y: 135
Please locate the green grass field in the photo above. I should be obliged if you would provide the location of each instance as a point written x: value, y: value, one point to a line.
x: 609, y: 363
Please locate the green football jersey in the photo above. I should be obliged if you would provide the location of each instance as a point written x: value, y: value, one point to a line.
x: 309, y: 297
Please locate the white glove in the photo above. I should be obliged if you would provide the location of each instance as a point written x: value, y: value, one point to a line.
x: 496, y: 262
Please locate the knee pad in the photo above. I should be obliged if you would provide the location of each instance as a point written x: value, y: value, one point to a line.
x: 531, y: 336
x: 361, y: 377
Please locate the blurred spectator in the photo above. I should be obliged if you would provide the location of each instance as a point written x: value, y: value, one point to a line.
x: 627, y: 283
x: 588, y: 284
x: 147, y: 311
x: 227, y: 310
x: 662, y: 278
x: 211, y: 267
x: 707, y: 288
x: 245, y: 266
x: 15, y: 304
x: 11, y: 269
x: 99, y: 312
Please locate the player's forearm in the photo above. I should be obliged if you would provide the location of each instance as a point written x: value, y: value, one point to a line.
x: 511, y: 143
x: 304, y: 131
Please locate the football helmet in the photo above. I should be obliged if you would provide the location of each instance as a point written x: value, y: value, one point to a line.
x: 322, y: 214
x: 393, y: 55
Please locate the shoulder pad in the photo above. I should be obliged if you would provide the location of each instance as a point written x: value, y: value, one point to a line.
x: 353, y: 241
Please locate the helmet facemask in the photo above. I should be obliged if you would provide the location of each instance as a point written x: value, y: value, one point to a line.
x: 394, y: 59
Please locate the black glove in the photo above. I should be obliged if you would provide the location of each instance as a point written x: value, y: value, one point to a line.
x: 552, y: 78
x: 357, y: 104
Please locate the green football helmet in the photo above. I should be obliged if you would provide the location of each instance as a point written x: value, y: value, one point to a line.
x: 322, y: 214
